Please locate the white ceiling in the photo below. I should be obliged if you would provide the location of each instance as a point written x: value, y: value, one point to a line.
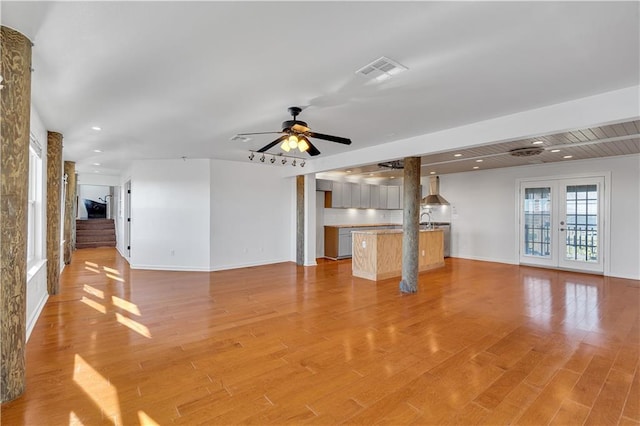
x: 174, y: 79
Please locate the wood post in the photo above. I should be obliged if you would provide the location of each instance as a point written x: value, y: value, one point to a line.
x: 411, y: 225
x: 70, y: 211
x: 54, y: 194
x: 300, y: 220
x: 15, y: 68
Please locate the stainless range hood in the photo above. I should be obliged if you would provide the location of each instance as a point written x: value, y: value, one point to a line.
x: 434, y: 197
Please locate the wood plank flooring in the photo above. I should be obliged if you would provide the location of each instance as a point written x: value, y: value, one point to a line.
x: 480, y: 343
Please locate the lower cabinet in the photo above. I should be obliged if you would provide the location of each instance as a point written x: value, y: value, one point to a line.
x: 338, y: 240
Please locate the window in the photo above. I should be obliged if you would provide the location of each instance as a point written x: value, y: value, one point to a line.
x: 34, y: 209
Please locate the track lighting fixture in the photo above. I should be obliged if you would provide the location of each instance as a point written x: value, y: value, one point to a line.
x: 284, y: 159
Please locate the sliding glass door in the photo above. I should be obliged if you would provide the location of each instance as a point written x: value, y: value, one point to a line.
x: 561, y: 223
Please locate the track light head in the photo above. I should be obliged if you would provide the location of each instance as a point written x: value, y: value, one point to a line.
x: 284, y: 161
x: 262, y: 158
x: 251, y: 156
x: 272, y: 160
x: 293, y: 163
x: 302, y: 163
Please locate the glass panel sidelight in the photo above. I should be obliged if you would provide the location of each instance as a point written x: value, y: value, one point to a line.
x: 537, y: 222
x: 582, y: 223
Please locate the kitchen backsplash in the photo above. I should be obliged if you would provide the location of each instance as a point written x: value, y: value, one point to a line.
x: 358, y: 216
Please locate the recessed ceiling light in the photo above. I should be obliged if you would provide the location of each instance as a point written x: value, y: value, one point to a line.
x: 457, y: 155
x: 538, y: 142
x: 432, y: 173
x: 371, y: 174
x: 392, y: 177
x: 96, y: 128
x: 476, y: 167
x: 97, y: 150
x: 348, y: 171
x: 97, y: 164
x: 479, y: 161
x: 568, y: 156
x: 555, y: 150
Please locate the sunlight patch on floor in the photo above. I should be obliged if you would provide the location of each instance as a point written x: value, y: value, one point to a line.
x: 114, y: 277
x: 88, y: 268
x: 111, y: 270
x: 93, y: 304
x: 126, y: 305
x: 101, y: 392
x: 134, y: 325
x: 94, y: 291
x: 145, y: 420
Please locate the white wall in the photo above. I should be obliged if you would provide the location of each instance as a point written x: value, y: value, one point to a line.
x: 170, y: 214
x: 252, y: 222
x: 483, y: 207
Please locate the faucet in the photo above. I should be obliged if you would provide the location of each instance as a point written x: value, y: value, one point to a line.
x: 429, y: 224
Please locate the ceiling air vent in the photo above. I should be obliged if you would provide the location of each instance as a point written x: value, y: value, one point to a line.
x: 526, y: 152
x: 381, y: 69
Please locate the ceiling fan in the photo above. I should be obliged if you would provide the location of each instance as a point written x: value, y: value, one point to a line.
x: 296, y: 134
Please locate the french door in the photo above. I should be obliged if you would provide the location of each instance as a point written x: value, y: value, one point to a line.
x: 561, y: 223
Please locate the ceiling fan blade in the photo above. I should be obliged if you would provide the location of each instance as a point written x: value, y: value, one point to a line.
x: 272, y: 144
x: 312, y: 151
x: 338, y: 139
x: 258, y: 133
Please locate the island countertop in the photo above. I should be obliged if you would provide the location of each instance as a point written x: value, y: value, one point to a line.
x: 377, y: 253
x: 389, y: 231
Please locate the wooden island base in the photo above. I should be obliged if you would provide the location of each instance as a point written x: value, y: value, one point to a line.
x: 377, y: 254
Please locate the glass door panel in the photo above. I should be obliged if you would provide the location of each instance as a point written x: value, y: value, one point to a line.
x: 536, y: 233
x: 581, y: 224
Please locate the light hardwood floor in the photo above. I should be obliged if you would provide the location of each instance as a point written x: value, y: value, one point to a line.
x: 480, y: 343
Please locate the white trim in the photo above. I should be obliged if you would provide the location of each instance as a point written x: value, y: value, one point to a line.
x: 33, y: 319
x: 248, y: 265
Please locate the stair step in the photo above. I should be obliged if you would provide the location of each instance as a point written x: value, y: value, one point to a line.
x: 92, y: 233
x: 94, y: 245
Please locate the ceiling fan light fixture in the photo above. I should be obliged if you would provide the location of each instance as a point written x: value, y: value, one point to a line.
x: 285, y: 146
x: 303, y: 145
x: 293, y: 141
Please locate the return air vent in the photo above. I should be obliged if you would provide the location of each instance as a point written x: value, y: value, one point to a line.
x: 526, y: 152
x: 381, y: 69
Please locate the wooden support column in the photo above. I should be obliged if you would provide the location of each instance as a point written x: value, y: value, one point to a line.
x: 300, y: 220
x: 70, y: 211
x: 15, y: 110
x: 411, y: 225
x: 54, y: 187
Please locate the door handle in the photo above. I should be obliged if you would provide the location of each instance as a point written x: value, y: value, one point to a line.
x: 562, y: 229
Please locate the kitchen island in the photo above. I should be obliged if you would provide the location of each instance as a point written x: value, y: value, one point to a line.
x: 377, y: 253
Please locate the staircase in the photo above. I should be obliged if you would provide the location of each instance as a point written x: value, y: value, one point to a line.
x: 92, y: 233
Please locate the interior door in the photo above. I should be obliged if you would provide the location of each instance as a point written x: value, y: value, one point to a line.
x: 561, y: 223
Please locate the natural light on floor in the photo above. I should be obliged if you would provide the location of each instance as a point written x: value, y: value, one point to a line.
x: 101, y: 392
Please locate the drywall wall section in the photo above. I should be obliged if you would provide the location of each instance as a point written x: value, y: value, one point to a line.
x: 252, y: 222
x: 170, y: 214
x: 483, y: 208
